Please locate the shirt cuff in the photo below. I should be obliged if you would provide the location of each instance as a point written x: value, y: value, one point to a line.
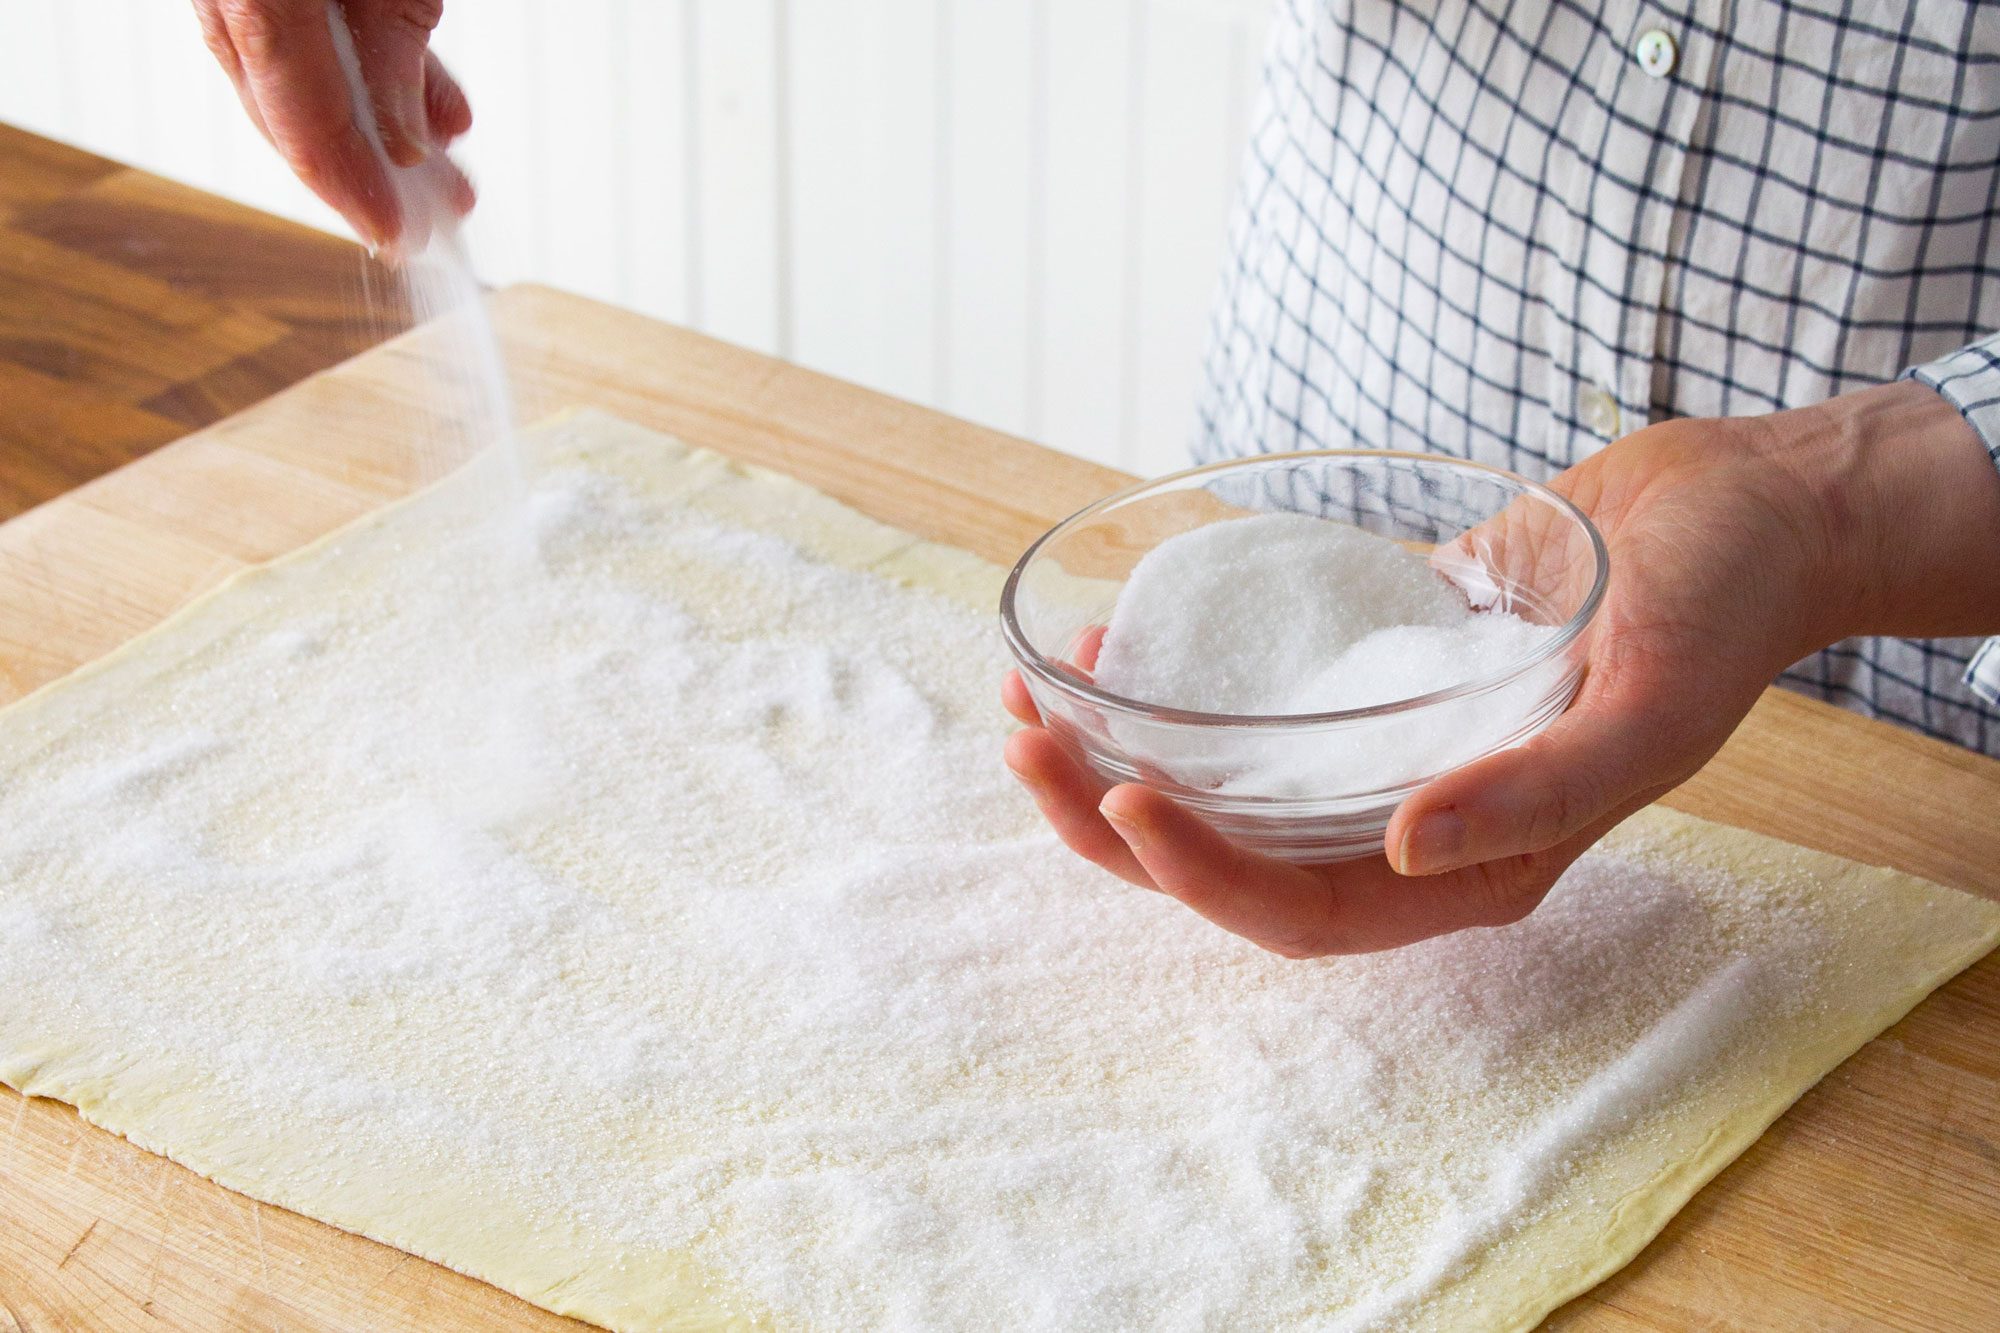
x: 1982, y: 673
x: 1969, y: 379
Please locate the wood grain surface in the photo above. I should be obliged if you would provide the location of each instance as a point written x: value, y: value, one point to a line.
x: 1875, y: 1202
x: 133, y: 309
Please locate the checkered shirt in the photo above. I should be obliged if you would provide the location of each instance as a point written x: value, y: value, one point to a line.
x: 1512, y: 230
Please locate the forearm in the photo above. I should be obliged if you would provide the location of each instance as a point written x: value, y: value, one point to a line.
x: 1901, y: 504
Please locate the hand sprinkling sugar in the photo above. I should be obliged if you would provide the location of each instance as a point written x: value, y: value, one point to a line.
x: 282, y: 57
x: 1739, y: 545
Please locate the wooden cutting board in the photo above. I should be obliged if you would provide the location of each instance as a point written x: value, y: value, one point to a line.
x: 1875, y: 1201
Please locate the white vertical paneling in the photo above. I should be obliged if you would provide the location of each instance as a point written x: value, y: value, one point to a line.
x: 1085, y: 223
x: 37, y: 81
x: 1186, y: 82
x: 194, y: 118
x: 584, y: 191
x: 1010, y: 210
x: 660, y: 257
x: 1253, y: 31
x: 1034, y: 391
x: 132, y: 80
x: 738, y: 171
x: 991, y: 207
x: 116, y: 102
x: 864, y: 192
x: 493, y: 51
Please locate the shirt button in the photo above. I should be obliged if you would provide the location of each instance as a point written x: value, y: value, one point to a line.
x: 1656, y: 52
x: 1600, y: 413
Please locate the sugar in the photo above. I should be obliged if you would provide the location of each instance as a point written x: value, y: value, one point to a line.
x: 767, y: 963
x: 1284, y: 613
x: 467, y: 373
x: 1244, y: 616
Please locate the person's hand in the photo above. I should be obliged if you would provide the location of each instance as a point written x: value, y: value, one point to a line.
x: 1737, y: 547
x: 280, y: 55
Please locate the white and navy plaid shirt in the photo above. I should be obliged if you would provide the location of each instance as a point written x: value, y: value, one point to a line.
x: 1512, y: 230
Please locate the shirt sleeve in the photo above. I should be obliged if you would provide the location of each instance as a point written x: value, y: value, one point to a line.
x: 1969, y: 379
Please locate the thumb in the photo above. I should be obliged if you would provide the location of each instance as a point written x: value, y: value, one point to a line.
x: 392, y: 39
x: 1618, y: 746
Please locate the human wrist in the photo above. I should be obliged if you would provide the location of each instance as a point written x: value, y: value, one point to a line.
x: 1898, y: 507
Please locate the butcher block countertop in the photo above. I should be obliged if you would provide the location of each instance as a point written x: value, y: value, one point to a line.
x: 134, y: 312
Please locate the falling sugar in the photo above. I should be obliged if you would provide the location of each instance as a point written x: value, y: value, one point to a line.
x: 474, y: 410
x: 498, y: 764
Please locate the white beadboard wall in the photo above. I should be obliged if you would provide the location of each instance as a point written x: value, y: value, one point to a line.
x: 1009, y: 209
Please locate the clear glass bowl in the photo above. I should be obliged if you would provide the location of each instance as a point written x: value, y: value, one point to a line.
x: 1506, y: 542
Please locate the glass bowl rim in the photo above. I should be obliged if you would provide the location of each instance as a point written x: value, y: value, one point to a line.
x: 1032, y: 659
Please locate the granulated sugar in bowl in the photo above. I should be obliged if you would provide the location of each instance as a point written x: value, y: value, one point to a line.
x: 1290, y: 644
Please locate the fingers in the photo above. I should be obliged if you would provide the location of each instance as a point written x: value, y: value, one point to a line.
x: 392, y: 41
x: 1278, y: 906
x: 1088, y: 645
x: 459, y: 190
x: 438, y: 181
x: 215, y: 34
x: 430, y: 194
x: 449, y: 114
x: 1147, y: 840
x: 1014, y: 697
x: 1618, y: 747
x: 1307, y: 912
x: 281, y: 54
x: 1067, y: 795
